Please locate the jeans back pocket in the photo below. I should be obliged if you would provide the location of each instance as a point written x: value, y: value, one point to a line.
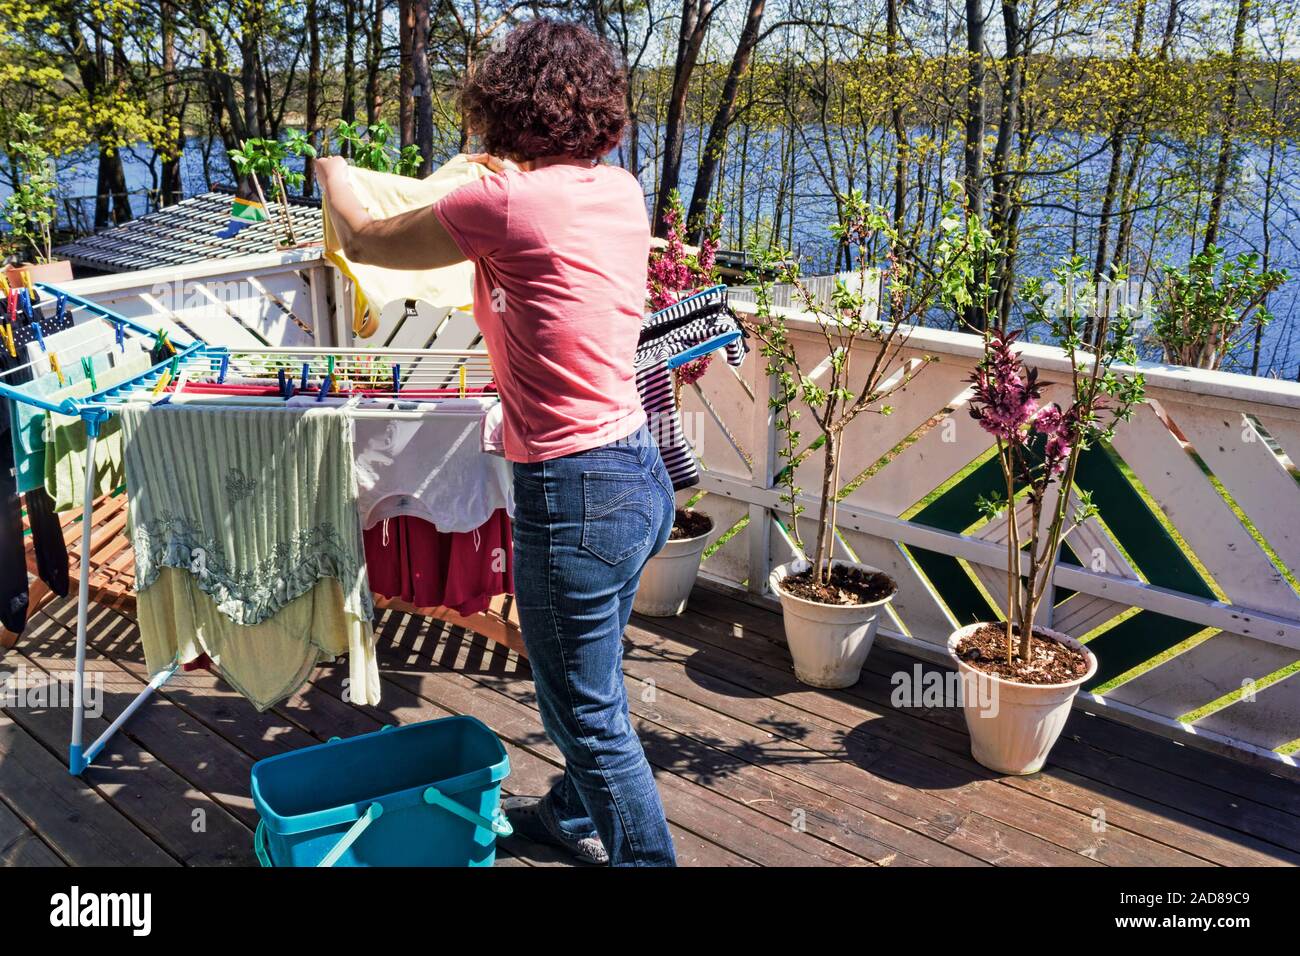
x: 616, y: 518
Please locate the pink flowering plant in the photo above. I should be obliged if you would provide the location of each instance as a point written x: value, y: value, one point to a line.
x: 860, y: 331
x: 675, y: 273
x: 1039, y: 443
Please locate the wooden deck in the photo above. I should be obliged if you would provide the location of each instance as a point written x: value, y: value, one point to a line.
x: 755, y: 769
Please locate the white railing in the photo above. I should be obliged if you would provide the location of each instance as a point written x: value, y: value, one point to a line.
x: 1185, y: 587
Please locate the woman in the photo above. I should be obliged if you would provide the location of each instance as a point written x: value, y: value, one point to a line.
x: 559, y: 243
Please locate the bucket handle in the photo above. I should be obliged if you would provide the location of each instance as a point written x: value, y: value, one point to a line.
x: 372, y: 813
x: 498, y: 824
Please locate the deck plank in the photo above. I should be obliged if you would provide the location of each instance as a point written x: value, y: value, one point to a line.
x: 174, y: 812
x: 1225, y: 827
x: 77, y: 822
x: 754, y: 768
x: 847, y: 731
x: 20, y: 846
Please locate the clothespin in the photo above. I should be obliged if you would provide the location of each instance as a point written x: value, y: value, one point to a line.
x: 163, y: 379
x: 4, y: 284
x: 161, y: 339
x: 302, y: 386
x: 7, y: 330
x: 61, y: 309
x: 225, y: 367
x: 12, y: 297
x: 40, y: 334
x: 88, y: 369
x: 284, y: 383
x: 397, y: 379
x: 174, y: 369
x: 54, y: 367
x: 30, y: 287
x: 462, y: 381
x: 119, y: 331
x: 325, y: 387
x: 25, y: 300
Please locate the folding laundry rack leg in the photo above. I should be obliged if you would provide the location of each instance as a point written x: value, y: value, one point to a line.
x: 79, y: 757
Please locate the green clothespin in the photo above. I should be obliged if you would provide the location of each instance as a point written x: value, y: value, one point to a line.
x: 88, y: 369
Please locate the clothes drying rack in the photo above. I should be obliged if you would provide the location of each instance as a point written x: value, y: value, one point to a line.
x: 419, y: 374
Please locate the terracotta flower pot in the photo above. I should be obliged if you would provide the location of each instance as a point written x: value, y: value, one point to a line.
x: 53, y: 272
x: 1013, y: 726
x: 828, y: 642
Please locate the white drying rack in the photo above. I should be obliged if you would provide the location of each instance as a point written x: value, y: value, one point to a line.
x: 417, y: 374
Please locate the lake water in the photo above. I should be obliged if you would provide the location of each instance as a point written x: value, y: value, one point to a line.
x: 1049, y: 225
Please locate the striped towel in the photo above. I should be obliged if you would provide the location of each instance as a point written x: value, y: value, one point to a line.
x: 695, y: 320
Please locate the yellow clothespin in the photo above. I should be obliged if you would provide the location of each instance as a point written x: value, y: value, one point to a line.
x: 7, y: 331
x: 27, y: 281
x: 162, y: 382
x: 54, y: 367
x: 4, y: 285
x: 462, y: 381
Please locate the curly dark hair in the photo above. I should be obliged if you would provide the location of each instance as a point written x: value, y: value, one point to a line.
x: 548, y: 89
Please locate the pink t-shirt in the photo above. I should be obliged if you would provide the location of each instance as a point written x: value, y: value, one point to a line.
x: 559, y: 292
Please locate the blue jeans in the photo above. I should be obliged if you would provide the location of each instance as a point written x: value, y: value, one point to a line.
x: 585, y: 524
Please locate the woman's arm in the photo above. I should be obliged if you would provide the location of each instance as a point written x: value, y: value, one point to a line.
x: 411, y: 240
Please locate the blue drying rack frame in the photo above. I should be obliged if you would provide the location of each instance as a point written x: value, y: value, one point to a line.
x: 94, y: 410
x: 97, y: 408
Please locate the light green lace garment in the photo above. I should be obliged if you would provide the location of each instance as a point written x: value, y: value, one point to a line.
x: 258, y: 507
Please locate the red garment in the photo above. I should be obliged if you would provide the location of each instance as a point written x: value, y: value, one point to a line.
x: 410, y: 559
x: 227, y: 388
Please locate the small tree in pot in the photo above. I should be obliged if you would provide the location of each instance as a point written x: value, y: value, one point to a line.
x: 675, y: 273
x: 30, y: 209
x: 1030, y: 673
x: 831, y: 607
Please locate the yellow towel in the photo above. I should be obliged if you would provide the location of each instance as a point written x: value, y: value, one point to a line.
x: 265, y: 662
x: 385, y: 195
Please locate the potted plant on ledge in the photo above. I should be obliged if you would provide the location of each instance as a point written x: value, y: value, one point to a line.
x: 30, y: 209
x: 675, y: 273
x: 831, y: 607
x: 1019, y: 676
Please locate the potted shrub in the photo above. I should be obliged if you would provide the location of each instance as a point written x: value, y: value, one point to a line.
x: 30, y: 210
x: 270, y: 158
x: 831, y: 607
x: 675, y: 273
x: 1020, y: 678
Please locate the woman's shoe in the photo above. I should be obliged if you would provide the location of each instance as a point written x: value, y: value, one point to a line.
x: 532, y: 818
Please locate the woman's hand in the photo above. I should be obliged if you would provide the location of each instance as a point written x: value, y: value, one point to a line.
x: 494, y: 163
x: 329, y: 169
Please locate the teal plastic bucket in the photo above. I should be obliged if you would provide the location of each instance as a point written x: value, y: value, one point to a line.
x: 427, y: 794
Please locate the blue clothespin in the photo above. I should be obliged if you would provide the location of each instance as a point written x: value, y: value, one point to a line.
x: 25, y: 300
x: 285, y: 392
x: 397, y: 378
x: 303, y: 385
x: 40, y: 334
x: 119, y: 331
x: 325, y: 387
x: 225, y: 367
x: 60, y: 308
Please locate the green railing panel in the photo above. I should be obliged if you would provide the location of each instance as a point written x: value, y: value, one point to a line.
x: 955, y: 511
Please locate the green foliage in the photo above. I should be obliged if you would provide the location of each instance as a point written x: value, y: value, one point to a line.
x: 840, y: 356
x: 1200, y: 311
x: 269, y: 158
x: 369, y: 147
x: 31, y: 208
